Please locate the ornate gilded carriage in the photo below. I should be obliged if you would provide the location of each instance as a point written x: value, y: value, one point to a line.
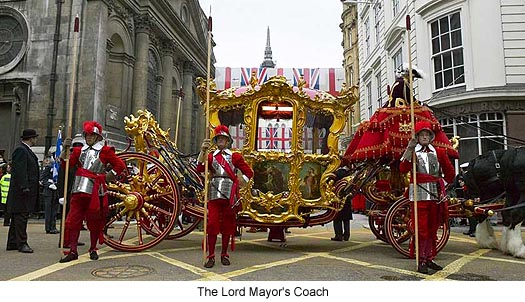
x: 289, y: 136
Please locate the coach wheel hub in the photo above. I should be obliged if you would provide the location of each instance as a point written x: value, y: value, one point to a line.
x: 133, y: 201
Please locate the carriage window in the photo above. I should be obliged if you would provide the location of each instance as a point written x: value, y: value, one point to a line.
x: 274, y: 126
x: 234, y: 119
x: 315, y: 132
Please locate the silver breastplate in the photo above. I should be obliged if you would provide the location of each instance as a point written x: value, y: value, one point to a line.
x: 433, y: 164
x: 426, y: 191
x: 89, y: 160
x: 220, y: 183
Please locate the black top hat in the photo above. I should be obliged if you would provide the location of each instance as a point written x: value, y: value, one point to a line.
x: 28, y: 133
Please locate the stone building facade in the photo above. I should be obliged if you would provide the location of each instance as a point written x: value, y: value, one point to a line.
x: 473, y: 54
x: 351, y: 60
x: 131, y: 55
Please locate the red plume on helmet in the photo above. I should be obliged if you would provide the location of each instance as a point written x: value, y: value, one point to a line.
x: 91, y: 127
x: 221, y: 130
x: 424, y: 125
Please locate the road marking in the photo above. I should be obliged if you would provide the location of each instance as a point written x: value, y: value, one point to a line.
x: 51, y: 269
x: 376, y: 266
x: 196, y: 270
x: 455, y: 266
x: 264, y: 266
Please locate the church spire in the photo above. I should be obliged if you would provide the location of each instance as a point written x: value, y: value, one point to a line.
x: 268, y: 62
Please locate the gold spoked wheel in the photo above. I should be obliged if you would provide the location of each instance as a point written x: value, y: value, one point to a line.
x: 143, y: 206
x: 398, y: 228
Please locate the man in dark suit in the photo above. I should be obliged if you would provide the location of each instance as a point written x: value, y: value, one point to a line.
x: 49, y: 196
x: 23, y: 191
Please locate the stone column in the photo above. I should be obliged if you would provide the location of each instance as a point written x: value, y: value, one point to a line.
x: 167, y: 106
x: 185, y: 125
x: 91, y: 89
x: 140, y: 72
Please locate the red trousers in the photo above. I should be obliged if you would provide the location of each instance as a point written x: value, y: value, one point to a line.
x: 429, y: 221
x: 78, y: 211
x: 221, y: 219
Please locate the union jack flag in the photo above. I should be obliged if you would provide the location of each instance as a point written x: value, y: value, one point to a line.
x: 310, y: 75
x: 246, y: 74
x: 326, y: 79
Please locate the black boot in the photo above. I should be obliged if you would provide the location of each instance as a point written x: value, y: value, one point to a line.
x: 432, y: 265
x: 422, y: 268
x: 70, y: 257
x: 210, y: 263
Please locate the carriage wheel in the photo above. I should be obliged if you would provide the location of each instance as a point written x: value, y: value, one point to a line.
x: 181, y: 229
x: 397, y: 228
x: 144, y: 205
x: 376, y: 221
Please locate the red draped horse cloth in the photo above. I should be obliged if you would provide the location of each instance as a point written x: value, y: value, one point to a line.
x: 388, y: 131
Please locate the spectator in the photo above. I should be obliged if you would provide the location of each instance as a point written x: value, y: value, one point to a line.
x: 49, y: 196
x: 4, y: 185
x: 23, y: 195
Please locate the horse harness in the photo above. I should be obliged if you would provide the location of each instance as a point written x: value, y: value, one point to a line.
x: 497, y: 166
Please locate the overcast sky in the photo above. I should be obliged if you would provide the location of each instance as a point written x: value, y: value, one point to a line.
x: 303, y: 33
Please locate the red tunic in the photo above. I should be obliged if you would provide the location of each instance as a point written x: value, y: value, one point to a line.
x: 87, y: 206
x: 221, y: 216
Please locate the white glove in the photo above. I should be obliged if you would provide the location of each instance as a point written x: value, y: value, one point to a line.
x: 61, y: 201
x: 53, y: 187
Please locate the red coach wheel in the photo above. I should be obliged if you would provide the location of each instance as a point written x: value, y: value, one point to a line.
x: 181, y: 228
x: 144, y: 205
x: 376, y: 220
x: 397, y: 228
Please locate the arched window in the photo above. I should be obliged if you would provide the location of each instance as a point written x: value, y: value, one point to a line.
x: 152, y: 103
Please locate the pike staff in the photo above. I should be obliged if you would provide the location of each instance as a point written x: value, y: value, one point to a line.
x: 72, y: 84
x: 178, y: 116
x: 206, y: 164
x: 412, y: 123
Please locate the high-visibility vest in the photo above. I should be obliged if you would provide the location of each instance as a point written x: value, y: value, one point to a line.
x: 4, y: 184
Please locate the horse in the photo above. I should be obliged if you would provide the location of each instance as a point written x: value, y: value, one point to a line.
x: 491, y: 176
